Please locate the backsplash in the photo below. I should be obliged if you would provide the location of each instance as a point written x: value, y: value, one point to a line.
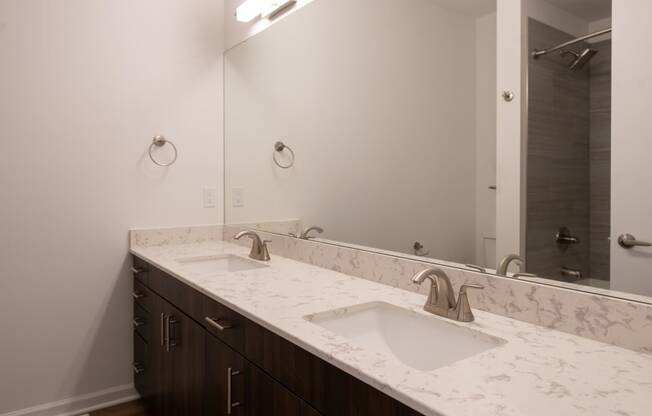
x: 601, y: 318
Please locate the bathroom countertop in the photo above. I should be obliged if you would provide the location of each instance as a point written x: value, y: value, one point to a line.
x: 538, y: 371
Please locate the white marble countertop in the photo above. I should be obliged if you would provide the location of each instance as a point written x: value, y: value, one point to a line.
x: 538, y: 371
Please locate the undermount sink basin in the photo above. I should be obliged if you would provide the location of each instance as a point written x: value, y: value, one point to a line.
x: 421, y: 342
x: 219, y: 264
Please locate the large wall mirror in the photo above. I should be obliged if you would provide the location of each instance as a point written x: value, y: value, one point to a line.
x: 377, y: 123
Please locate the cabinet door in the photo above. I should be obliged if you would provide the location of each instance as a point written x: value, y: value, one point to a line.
x: 183, y: 364
x: 225, y: 380
x: 265, y: 396
x: 236, y: 387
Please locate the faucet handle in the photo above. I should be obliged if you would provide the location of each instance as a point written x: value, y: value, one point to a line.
x: 470, y: 286
x: 463, y: 312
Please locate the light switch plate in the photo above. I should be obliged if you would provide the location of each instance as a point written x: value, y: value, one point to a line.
x: 237, y: 197
x: 210, y: 197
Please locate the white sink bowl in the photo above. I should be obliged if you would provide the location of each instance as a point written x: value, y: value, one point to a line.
x: 219, y: 264
x: 419, y: 341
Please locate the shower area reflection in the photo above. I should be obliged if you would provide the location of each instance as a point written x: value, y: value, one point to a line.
x: 568, y: 157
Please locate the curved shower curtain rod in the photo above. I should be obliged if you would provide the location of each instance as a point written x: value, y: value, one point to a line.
x: 537, y: 54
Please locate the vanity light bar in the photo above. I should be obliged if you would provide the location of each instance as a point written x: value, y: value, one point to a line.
x: 275, y: 8
x: 248, y: 11
x: 267, y: 9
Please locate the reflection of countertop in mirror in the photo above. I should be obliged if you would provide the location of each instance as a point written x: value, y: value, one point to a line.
x: 537, y: 372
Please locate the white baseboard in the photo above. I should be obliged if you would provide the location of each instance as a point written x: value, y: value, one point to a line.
x: 79, y: 405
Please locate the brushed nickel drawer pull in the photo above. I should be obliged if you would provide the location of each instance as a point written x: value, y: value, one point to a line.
x: 136, y: 270
x: 170, y: 320
x: 138, y: 322
x: 229, y: 389
x: 137, y: 295
x: 162, y: 330
x: 215, y: 324
x: 138, y: 368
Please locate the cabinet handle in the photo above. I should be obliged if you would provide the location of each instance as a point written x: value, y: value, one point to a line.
x: 162, y: 330
x: 220, y: 326
x: 229, y: 389
x: 138, y: 368
x: 136, y: 270
x: 169, y: 320
x: 137, y: 295
x: 138, y: 322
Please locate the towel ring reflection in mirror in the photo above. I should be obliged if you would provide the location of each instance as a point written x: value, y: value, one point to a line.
x: 160, y: 141
x: 279, y: 147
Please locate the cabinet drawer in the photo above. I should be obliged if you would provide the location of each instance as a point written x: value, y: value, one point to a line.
x: 142, y: 322
x: 143, y: 297
x: 140, y: 270
x: 225, y: 324
x: 141, y: 365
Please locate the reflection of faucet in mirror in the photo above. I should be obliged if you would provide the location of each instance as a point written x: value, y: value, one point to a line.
x: 258, y: 247
x: 441, y: 300
x: 505, y: 262
x: 305, y: 234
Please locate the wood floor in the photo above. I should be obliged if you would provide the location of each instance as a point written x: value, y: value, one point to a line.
x: 127, y: 409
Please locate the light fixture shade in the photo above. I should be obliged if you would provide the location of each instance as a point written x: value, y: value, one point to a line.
x: 248, y: 10
x: 274, y: 7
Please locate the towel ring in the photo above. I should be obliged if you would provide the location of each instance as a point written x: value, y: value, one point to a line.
x: 280, y: 147
x: 160, y: 141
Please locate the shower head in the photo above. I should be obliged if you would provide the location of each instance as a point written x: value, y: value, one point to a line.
x: 581, y: 58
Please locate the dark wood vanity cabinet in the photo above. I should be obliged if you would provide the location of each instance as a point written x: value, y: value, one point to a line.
x: 195, y: 356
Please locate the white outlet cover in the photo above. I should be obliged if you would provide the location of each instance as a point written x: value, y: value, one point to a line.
x: 210, y: 197
x: 237, y: 197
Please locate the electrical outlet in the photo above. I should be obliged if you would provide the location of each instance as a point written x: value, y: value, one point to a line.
x: 210, y: 197
x: 237, y: 197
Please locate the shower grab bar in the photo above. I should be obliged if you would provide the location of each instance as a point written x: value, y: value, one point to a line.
x: 538, y: 53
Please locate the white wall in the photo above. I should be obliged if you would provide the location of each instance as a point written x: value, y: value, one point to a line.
x: 84, y: 84
x: 485, y: 127
x: 631, y: 146
x: 380, y: 113
x: 510, y: 218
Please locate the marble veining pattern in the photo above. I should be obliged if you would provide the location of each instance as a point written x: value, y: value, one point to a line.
x: 539, y: 371
x: 601, y: 318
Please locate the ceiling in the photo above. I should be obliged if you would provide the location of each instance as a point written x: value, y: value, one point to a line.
x: 589, y: 10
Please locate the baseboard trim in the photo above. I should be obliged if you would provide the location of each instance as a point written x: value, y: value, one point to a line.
x: 80, y: 405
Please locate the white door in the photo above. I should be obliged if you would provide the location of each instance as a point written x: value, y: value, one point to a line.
x: 631, y: 141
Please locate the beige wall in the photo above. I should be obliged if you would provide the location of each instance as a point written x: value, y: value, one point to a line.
x: 84, y: 85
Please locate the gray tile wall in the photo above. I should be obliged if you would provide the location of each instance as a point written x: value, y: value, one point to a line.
x: 557, y: 157
x: 568, y: 158
x: 600, y: 155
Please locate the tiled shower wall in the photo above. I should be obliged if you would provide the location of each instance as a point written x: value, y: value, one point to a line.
x: 600, y: 156
x: 557, y: 157
x: 568, y: 158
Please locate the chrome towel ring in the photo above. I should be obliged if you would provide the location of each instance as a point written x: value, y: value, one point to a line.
x: 160, y: 141
x: 279, y: 147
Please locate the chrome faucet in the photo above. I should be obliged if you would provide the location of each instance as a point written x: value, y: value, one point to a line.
x: 305, y: 234
x: 505, y: 262
x: 441, y: 300
x: 259, y: 249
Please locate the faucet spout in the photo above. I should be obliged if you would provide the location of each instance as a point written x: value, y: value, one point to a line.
x: 505, y: 262
x: 305, y: 235
x: 441, y: 300
x: 259, y: 249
